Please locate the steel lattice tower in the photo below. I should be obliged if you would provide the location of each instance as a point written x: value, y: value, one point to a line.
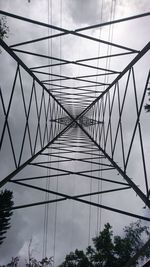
x: 95, y: 130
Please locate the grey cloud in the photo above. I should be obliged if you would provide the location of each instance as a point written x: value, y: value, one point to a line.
x: 86, y: 11
x: 138, y: 4
x: 90, y: 12
x: 14, y: 239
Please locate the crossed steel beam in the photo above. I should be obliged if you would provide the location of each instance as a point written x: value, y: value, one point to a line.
x: 87, y: 107
x: 80, y: 99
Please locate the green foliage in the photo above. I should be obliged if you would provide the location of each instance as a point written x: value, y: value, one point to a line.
x: 109, y: 250
x: 3, y: 28
x: 6, y: 204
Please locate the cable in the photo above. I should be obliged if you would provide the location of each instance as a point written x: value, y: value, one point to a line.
x: 99, y: 197
x: 99, y: 44
x: 110, y: 37
x: 46, y: 210
x: 57, y: 182
x: 106, y: 79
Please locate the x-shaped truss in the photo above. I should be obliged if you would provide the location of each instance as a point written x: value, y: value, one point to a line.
x: 96, y: 127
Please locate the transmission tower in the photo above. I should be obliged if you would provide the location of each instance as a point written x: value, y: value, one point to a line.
x: 82, y: 126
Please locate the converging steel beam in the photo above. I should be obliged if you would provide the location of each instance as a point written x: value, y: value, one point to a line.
x: 76, y: 120
x: 76, y: 33
x: 123, y: 174
x: 11, y: 175
x: 62, y: 61
x: 83, y: 201
x: 22, y: 64
x: 127, y: 68
x: 113, y: 22
x: 38, y: 39
x: 65, y: 198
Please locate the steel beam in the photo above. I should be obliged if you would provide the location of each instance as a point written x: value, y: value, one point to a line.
x: 83, y: 201
x: 10, y: 176
x: 113, y: 22
x: 127, y: 68
x: 21, y: 63
x: 62, y: 199
x: 116, y: 166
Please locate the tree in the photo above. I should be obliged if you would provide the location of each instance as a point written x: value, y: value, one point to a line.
x: 133, y: 240
x: 109, y: 250
x: 4, y: 29
x: 6, y: 205
x: 147, y: 106
x: 13, y: 263
x: 32, y: 262
x: 43, y: 263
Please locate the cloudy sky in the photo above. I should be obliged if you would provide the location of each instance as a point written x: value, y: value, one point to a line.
x: 71, y: 224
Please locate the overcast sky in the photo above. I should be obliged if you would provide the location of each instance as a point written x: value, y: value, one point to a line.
x: 72, y: 220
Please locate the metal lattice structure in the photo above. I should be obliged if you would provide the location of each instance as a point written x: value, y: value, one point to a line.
x: 95, y: 129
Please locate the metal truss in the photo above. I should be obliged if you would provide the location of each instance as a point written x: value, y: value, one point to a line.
x: 95, y: 134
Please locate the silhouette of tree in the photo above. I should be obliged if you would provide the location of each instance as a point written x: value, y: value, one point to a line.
x: 6, y: 204
x: 147, y: 106
x: 46, y: 262
x: 4, y: 29
x: 32, y: 262
x: 109, y: 250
